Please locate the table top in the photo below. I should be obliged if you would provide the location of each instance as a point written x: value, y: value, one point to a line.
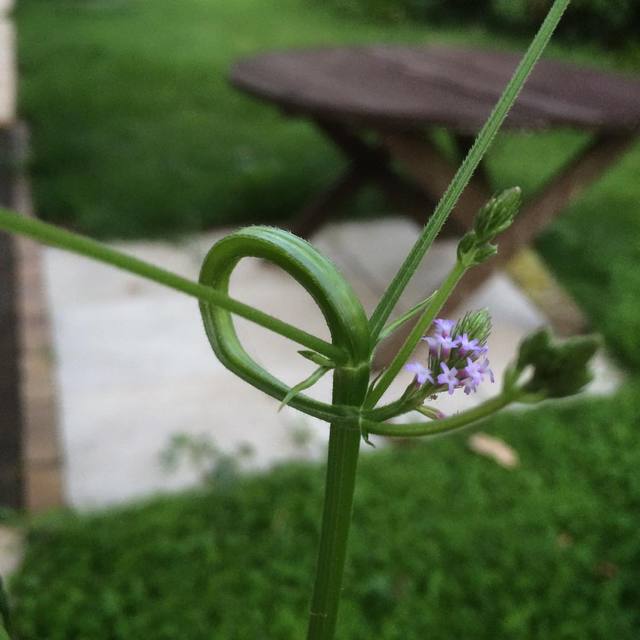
x: 408, y: 87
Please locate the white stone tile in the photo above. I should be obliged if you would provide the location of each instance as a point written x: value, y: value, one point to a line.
x: 7, y: 72
x: 6, y: 6
x: 11, y: 550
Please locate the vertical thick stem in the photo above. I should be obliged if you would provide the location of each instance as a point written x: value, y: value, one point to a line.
x: 349, y: 387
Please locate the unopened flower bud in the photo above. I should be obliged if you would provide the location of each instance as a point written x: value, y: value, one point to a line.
x: 560, y: 369
x: 467, y: 248
x: 484, y: 253
x: 431, y: 412
x: 476, y: 325
x: 497, y: 215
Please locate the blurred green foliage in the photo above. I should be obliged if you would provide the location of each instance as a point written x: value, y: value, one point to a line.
x: 610, y: 22
x: 135, y: 128
x: 143, y: 136
x: 445, y: 544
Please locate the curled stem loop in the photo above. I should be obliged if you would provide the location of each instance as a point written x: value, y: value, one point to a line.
x: 335, y: 298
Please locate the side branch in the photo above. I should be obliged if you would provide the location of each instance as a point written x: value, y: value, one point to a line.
x: 446, y: 425
x: 81, y: 245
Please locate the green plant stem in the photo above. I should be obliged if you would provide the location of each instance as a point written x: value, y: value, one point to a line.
x: 466, y: 170
x: 446, y: 425
x: 6, y: 623
x: 349, y: 388
x: 417, y: 332
x: 405, y: 317
x: 56, y: 237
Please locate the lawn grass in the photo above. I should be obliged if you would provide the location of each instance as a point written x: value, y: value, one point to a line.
x: 445, y: 544
x: 136, y: 131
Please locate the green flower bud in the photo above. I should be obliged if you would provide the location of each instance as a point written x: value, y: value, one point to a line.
x: 476, y: 324
x: 6, y: 626
x: 484, y: 253
x: 498, y: 214
x: 560, y: 369
x: 472, y: 251
x: 467, y: 248
x: 430, y: 412
x: 533, y: 349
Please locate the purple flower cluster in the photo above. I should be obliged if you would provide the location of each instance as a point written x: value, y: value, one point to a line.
x: 459, y: 359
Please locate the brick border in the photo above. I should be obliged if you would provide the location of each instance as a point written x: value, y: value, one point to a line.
x: 30, y: 463
x: 31, y: 425
x: 11, y: 446
x: 42, y: 459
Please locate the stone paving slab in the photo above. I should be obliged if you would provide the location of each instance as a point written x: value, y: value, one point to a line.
x: 135, y: 367
x: 11, y: 549
x: 7, y: 69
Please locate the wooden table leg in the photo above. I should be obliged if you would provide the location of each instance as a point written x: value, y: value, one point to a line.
x: 363, y: 159
x: 30, y: 461
x: 579, y: 173
x: 368, y: 164
x: 316, y: 213
x: 426, y: 165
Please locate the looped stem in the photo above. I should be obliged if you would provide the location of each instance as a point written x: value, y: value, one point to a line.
x: 349, y: 329
x: 335, y: 298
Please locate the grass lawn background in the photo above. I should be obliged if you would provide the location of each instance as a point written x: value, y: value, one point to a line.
x: 136, y: 133
x: 445, y: 544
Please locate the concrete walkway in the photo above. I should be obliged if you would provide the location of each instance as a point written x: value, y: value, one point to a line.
x: 135, y: 367
x: 11, y: 550
x: 7, y: 65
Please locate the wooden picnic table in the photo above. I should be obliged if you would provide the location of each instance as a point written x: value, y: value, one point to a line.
x: 377, y: 104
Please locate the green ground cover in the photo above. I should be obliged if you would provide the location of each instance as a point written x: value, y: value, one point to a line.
x: 612, y: 23
x: 136, y: 131
x: 445, y: 544
x: 137, y: 135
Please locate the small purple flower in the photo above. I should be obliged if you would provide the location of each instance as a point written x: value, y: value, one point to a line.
x: 444, y: 327
x: 447, y: 349
x: 473, y: 374
x: 434, y: 344
x: 440, y: 345
x: 447, y: 343
x: 448, y: 377
x: 484, y: 369
x: 470, y: 377
x: 482, y: 350
x: 473, y: 371
x: 422, y: 373
x: 466, y: 346
x: 469, y: 385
